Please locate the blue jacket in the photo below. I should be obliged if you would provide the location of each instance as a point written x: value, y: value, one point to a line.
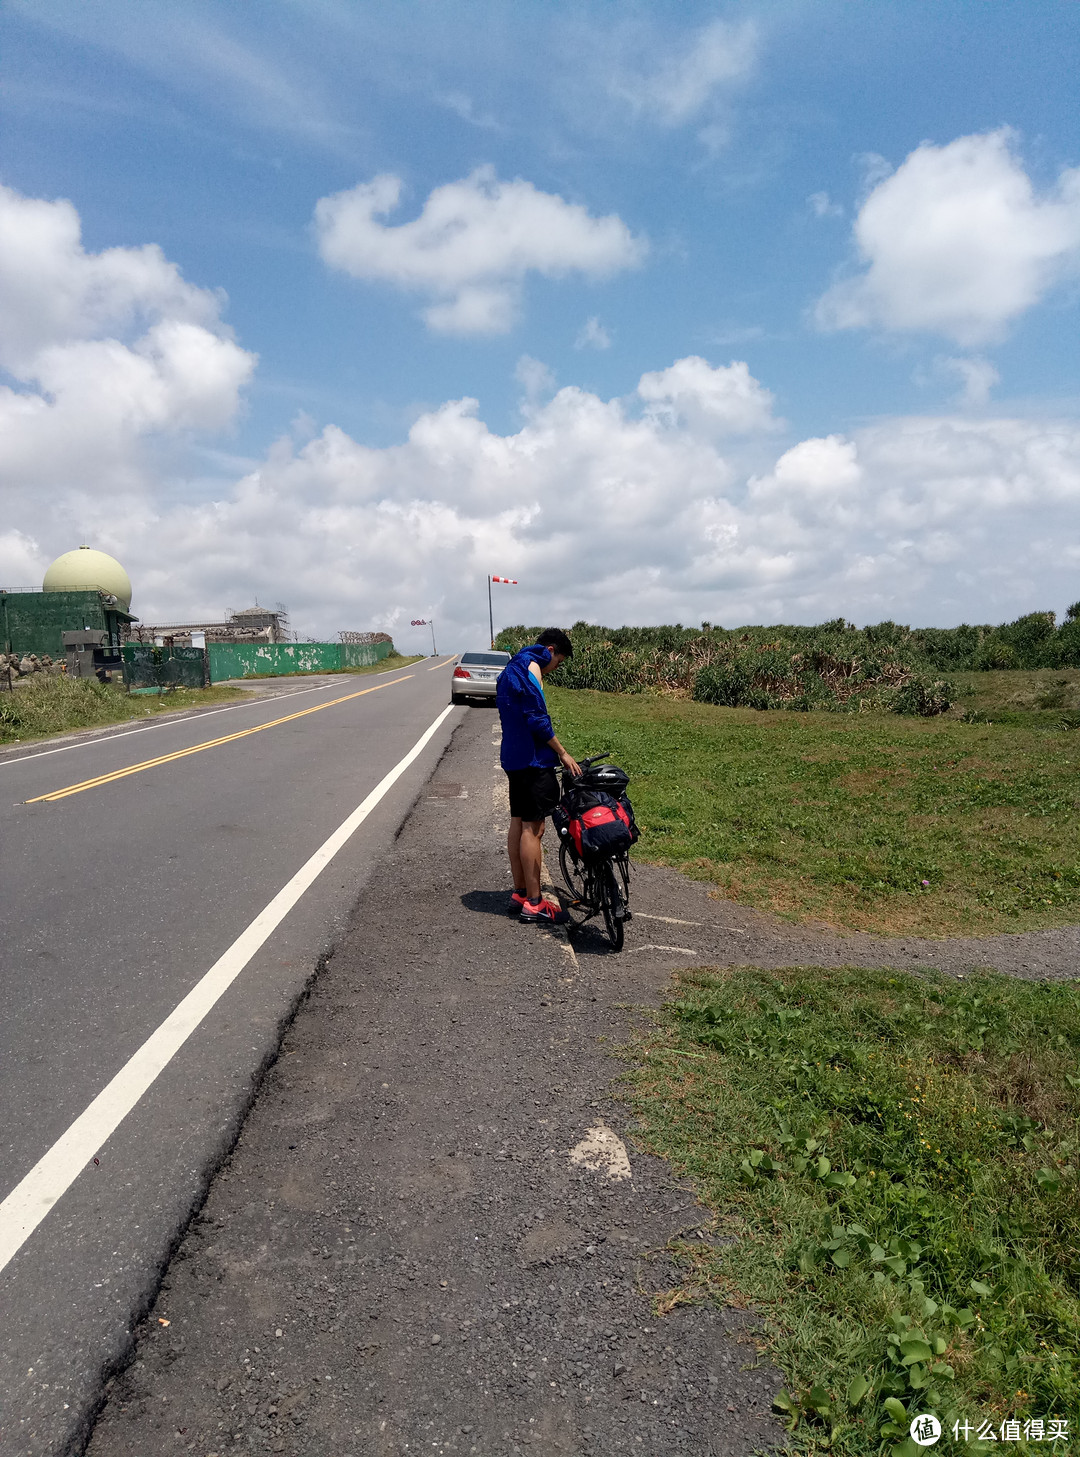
x: 526, y: 726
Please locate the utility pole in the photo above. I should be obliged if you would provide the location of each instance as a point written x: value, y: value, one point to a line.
x: 509, y: 582
x: 434, y: 649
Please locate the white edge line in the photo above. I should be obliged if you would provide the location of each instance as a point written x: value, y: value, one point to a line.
x: 32, y: 1198
x: 670, y: 920
x: 170, y: 722
x: 686, y: 950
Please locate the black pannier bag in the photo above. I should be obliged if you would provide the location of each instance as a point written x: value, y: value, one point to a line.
x: 597, y: 824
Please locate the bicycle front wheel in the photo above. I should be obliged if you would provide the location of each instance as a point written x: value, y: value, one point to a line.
x: 611, y: 904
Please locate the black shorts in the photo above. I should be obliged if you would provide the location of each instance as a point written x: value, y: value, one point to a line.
x: 534, y: 793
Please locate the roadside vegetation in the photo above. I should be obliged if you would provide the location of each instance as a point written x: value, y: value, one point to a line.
x: 892, y: 1164
x: 45, y: 705
x: 830, y: 667
x: 875, y: 821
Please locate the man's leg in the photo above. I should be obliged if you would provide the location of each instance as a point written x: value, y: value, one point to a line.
x: 529, y: 855
x: 513, y: 849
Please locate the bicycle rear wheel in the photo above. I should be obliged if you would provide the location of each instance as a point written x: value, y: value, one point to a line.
x: 573, y: 872
x: 611, y: 904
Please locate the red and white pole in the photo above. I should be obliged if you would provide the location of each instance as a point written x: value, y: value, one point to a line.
x: 509, y: 582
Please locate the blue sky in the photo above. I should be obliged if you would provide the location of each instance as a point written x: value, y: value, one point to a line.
x: 873, y: 208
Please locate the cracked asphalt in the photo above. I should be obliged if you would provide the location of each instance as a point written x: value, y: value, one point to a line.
x: 427, y: 1238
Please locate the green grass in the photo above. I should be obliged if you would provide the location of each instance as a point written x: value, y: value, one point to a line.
x: 892, y: 1162
x: 1049, y: 698
x: 385, y: 665
x: 45, y: 705
x: 841, y: 818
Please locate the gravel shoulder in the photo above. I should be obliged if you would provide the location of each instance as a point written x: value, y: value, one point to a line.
x: 435, y: 1232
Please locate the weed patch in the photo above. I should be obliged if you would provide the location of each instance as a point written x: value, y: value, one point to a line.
x: 53, y: 705
x: 893, y: 1160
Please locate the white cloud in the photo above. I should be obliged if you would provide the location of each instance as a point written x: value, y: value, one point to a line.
x: 977, y: 378
x: 815, y: 470
x: 726, y: 398
x: 472, y: 245
x: 463, y: 107
x: 685, y: 79
x: 957, y: 242
x: 592, y: 335
x: 259, y: 79
x: 109, y: 349
x: 534, y: 377
x: 822, y: 206
x: 52, y: 291
x: 22, y: 563
x: 934, y: 519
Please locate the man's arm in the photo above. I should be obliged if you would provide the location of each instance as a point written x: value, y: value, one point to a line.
x: 540, y: 725
x: 568, y: 763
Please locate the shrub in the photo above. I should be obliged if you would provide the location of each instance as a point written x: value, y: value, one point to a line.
x: 834, y: 666
x: 994, y: 653
x: 660, y: 656
x: 45, y: 705
x: 924, y: 697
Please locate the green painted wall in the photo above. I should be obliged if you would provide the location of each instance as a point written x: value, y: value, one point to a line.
x: 32, y: 622
x: 243, y: 660
x: 364, y: 655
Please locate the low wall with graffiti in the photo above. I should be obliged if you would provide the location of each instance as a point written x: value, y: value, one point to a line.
x: 259, y: 660
x: 147, y: 666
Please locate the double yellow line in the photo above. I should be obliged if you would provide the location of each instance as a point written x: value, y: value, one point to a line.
x: 198, y: 748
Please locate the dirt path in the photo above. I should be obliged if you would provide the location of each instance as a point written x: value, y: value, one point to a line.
x: 413, y: 1247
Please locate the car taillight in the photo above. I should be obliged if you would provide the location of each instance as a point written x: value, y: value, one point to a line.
x: 461, y: 673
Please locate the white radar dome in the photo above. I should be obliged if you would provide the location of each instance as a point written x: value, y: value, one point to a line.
x: 87, y: 570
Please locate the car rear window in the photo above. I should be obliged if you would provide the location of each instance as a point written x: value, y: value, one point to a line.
x: 486, y: 660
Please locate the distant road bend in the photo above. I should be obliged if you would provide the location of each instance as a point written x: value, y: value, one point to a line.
x: 167, y: 892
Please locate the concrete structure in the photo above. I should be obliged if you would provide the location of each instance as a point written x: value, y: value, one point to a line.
x: 252, y: 625
x: 261, y: 619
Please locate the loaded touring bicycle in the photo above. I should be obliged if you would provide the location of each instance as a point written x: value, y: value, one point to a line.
x: 596, y: 829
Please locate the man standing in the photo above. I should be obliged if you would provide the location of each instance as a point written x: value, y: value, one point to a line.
x: 530, y: 752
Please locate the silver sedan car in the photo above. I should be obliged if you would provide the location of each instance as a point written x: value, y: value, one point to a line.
x: 476, y: 675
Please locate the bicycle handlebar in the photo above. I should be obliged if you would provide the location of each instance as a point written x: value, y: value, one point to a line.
x: 584, y: 765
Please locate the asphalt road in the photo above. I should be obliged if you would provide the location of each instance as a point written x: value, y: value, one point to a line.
x: 118, y: 899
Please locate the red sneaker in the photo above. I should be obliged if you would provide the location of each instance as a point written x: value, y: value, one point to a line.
x: 544, y: 913
x: 517, y: 900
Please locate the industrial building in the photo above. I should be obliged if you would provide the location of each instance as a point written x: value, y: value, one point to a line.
x: 81, y: 622
x: 85, y: 592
